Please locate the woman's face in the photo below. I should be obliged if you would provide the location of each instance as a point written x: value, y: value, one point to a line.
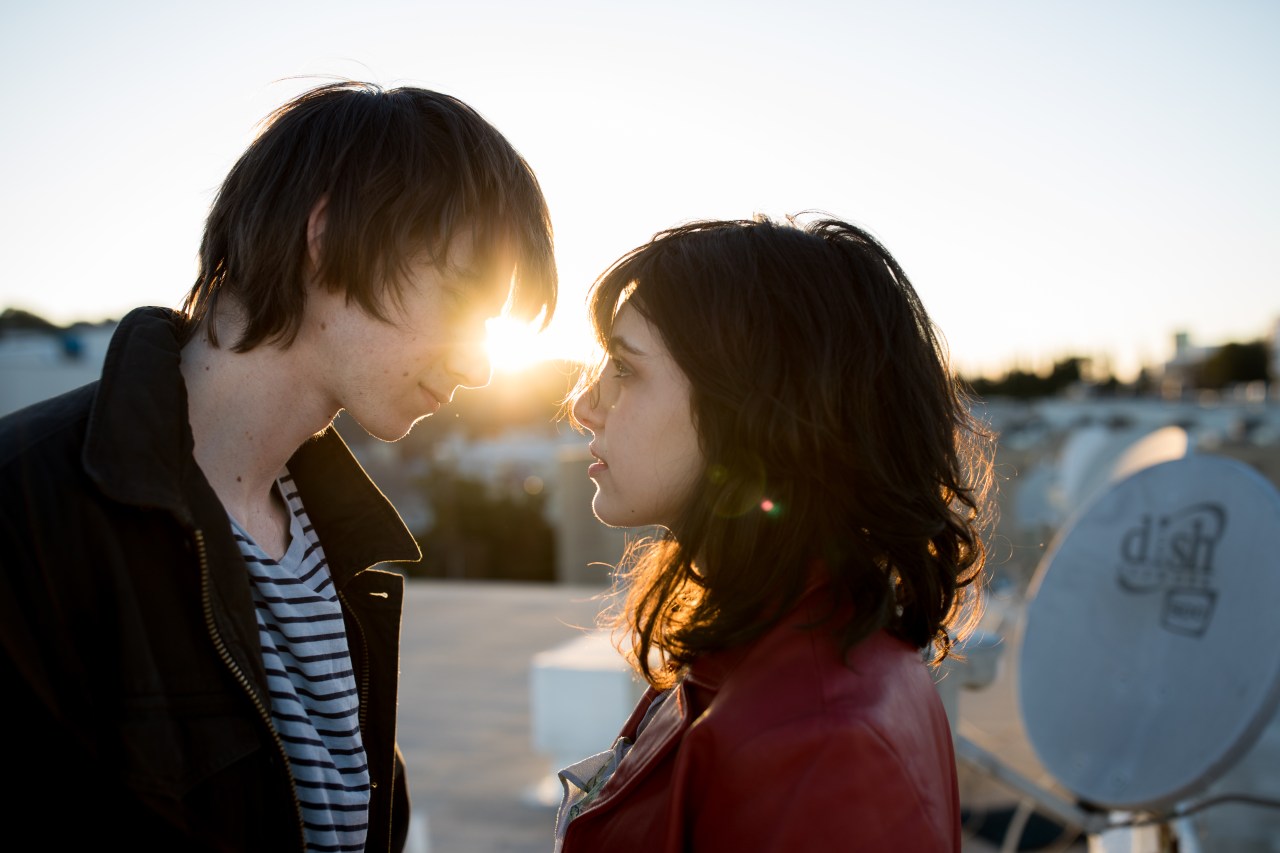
x: 645, y: 441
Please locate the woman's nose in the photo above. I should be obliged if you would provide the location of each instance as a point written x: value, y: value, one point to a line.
x: 585, y: 407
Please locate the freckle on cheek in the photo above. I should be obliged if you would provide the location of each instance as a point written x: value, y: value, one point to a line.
x: 323, y: 326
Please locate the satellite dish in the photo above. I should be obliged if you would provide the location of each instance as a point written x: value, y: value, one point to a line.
x: 1162, y: 445
x: 1086, y: 459
x: 1094, y: 457
x: 1149, y: 663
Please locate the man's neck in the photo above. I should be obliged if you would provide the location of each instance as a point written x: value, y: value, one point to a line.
x: 249, y: 412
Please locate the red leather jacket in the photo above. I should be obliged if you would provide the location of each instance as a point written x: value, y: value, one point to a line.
x: 780, y: 746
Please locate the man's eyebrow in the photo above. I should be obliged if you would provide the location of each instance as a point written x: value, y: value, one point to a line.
x: 617, y: 342
x: 473, y: 276
x: 468, y: 273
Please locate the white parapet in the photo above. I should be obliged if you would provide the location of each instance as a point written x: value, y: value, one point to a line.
x: 581, y: 692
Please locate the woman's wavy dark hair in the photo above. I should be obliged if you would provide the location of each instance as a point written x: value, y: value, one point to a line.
x: 404, y: 171
x: 838, y: 445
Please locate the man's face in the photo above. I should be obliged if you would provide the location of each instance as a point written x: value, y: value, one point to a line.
x: 388, y: 375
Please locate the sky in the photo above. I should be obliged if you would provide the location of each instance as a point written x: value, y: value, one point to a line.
x: 1057, y: 179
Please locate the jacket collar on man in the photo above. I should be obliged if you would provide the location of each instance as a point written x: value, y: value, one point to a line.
x: 138, y: 450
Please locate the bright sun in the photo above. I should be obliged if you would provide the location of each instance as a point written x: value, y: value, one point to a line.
x: 514, y: 346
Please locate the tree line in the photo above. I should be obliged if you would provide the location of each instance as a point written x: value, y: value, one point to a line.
x: 1228, y: 365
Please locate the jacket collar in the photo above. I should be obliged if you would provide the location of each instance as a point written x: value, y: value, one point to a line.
x: 662, y: 734
x: 138, y: 444
x: 138, y: 450
x: 689, y: 698
x: 703, y: 681
x: 356, y: 524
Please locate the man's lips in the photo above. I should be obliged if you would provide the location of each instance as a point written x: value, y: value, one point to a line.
x: 434, y: 400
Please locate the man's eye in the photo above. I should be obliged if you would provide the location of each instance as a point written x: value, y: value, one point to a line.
x: 456, y: 297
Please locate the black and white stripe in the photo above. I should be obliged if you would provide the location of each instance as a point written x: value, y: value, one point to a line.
x: 314, y: 700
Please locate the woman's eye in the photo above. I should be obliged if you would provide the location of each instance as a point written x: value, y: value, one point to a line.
x: 619, y: 368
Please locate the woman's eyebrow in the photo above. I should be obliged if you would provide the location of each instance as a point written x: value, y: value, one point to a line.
x: 617, y: 342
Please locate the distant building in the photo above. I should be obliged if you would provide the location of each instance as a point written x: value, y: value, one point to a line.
x: 36, y: 364
x: 1180, y: 371
x: 534, y: 462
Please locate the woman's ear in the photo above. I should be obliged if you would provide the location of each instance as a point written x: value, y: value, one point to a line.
x: 315, y: 231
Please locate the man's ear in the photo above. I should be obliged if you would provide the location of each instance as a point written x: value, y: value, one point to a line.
x: 315, y: 231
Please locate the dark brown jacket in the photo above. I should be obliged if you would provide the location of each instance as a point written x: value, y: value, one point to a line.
x: 135, y: 701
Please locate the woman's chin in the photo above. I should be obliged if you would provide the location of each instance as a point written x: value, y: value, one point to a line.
x: 609, y: 515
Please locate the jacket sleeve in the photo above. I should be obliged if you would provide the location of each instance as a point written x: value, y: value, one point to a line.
x: 810, y: 788
x: 38, y: 622
x: 68, y: 791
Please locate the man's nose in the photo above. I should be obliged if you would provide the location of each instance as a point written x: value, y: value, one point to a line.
x: 468, y: 365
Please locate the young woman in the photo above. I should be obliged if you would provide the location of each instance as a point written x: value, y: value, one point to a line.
x: 776, y: 401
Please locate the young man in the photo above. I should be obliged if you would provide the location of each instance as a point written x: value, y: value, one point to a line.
x: 195, y: 651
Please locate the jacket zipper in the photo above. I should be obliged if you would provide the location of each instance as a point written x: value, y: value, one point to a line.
x: 206, y: 602
x: 364, y: 664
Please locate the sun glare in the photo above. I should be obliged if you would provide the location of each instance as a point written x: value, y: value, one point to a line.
x: 512, y: 345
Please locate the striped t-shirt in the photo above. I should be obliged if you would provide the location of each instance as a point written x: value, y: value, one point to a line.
x: 314, y: 701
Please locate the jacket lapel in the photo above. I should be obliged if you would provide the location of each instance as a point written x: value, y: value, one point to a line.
x: 660, y: 737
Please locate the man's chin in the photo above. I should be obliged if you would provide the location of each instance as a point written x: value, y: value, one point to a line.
x: 388, y: 432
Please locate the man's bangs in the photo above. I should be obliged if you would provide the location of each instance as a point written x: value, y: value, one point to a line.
x: 523, y: 264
